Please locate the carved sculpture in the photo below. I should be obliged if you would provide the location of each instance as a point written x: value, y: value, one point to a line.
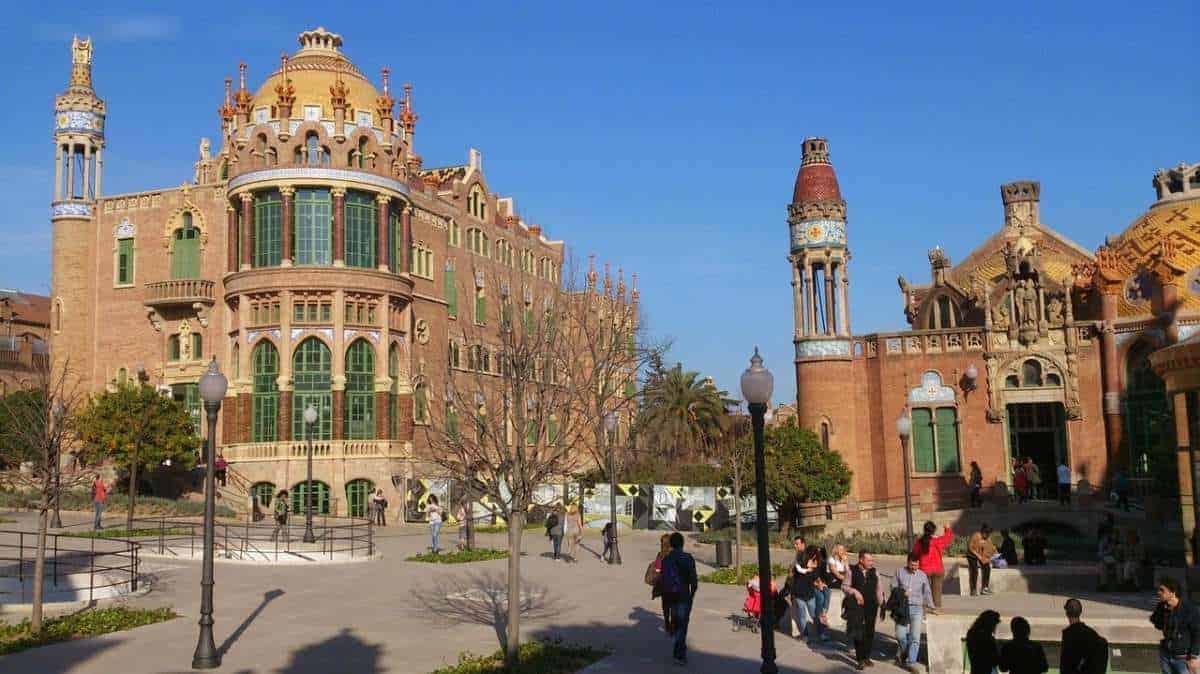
x: 1054, y: 312
x: 1000, y: 316
x: 155, y: 319
x: 185, y: 341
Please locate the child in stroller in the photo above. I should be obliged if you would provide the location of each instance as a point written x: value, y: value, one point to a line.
x: 752, y: 608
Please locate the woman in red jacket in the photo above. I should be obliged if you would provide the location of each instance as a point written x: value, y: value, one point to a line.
x: 929, y: 548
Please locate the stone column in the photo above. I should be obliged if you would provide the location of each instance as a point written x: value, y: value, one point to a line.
x: 339, y: 361
x: 810, y: 300
x: 339, y: 227
x: 70, y: 170
x: 58, y: 172
x: 797, y: 297
x: 247, y: 230
x: 99, y: 172
x: 828, y: 274
x: 231, y: 240
x: 288, y: 194
x: 382, y: 252
x: 284, y: 418
x: 1111, y: 380
x: 87, y: 172
x: 844, y: 294
x: 402, y: 263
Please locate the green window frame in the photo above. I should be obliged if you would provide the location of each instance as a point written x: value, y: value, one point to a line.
x: 451, y: 291
x: 124, y: 262
x: 358, y: 493
x: 1149, y: 417
x: 313, y: 227
x: 924, y: 453
x: 396, y: 245
x: 265, y: 397
x: 185, y: 250
x: 197, y: 346
x: 359, y: 416
x: 451, y: 421
x: 480, y: 307
x: 935, y: 440
x: 421, y: 404
x: 946, y: 420
x: 268, y: 229
x: 454, y: 234
x: 552, y: 430
x: 173, y: 351
x: 189, y: 396
x: 320, y: 502
x: 359, y: 221
x: 264, y: 493
x: 312, y: 376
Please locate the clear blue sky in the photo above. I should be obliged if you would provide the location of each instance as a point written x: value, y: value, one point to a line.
x: 666, y: 136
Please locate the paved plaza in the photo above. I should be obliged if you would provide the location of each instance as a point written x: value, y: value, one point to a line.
x: 389, y: 615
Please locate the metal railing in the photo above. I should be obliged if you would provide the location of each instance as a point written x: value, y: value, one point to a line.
x: 336, y: 538
x: 322, y: 449
x: 108, y: 562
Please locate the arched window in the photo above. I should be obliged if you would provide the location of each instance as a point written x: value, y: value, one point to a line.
x: 453, y: 354
x: 944, y: 314
x: 360, y: 230
x: 477, y: 202
x: 122, y: 377
x: 315, y: 153
x: 454, y: 234
x: 477, y: 242
x: 272, y: 158
x: 504, y: 252
x: 264, y: 418
x: 263, y: 493
x: 185, y: 250
x: 359, y: 421
x: 1031, y: 373
x: 314, y: 226
x: 173, y: 350
x: 480, y: 307
x: 360, y: 158
x: 312, y: 374
x: 268, y: 228
x: 421, y: 260
x: 527, y: 261
x: 1149, y: 419
x: 320, y: 499
x: 421, y: 403
x: 237, y: 361
x: 825, y: 434
x: 358, y: 492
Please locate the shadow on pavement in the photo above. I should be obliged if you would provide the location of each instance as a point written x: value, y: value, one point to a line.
x: 482, y: 599
x: 61, y: 657
x: 342, y: 653
x: 268, y: 597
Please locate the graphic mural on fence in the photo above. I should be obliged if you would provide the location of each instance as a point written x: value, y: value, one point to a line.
x: 683, y: 508
x: 418, y: 496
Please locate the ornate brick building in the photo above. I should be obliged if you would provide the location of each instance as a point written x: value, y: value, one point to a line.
x: 25, y: 321
x: 1030, y: 346
x: 311, y: 254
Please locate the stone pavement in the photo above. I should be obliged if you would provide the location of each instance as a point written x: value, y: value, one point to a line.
x: 394, y: 616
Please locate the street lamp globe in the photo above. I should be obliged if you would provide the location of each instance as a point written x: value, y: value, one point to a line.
x: 213, y: 384
x: 757, y: 381
x: 903, y: 425
x: 310, y: 415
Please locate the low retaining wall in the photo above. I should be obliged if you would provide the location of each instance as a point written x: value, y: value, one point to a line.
x: 1052, y: 578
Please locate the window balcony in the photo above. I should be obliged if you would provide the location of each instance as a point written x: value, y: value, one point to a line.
x: 179, y: 292
x: 297, y: 450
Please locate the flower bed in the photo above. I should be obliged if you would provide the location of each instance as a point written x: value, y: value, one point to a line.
x: 459, y: 556
x: 537, y: 657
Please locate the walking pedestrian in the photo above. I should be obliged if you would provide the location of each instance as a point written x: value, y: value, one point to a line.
x: 1034, y: 475
x: 556, y: 521
x: 979, y: 559
x: 608, y: 537
x: 975, y: 483
x: 433, y: 512
x: 281, y: 515
x: 906, y: 603
x: 1179, y: 621
x: 220, y: 469
x: 573, y: 532
x: 1020, y: 482
x: 864, y: 598
x: 680, y: 583
x: 654, y: 579
x: 803, y: 581
x: 99, y: 496
x: 1084, y: 651
x: 929, y: 549
x: 381, y: 505
x: 982, y: 650
x: 1022, y: 656
x: 1064, y: 482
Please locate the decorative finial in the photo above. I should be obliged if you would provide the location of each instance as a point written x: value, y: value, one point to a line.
x: 607, y: 279
x: 621, y: 283
x: 591, y: 274
x: 226, y: 111
x: 636, y: 294
x: 81, y: 62
x: 407, y: 116
x: 384, y: 71
x: 285, y: 90
x: 338, y: 91
x: 385, y: 102
x: 243, y: 97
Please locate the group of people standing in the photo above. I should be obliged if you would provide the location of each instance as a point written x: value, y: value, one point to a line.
x: 1027, y: 482
x: 1083, y: 650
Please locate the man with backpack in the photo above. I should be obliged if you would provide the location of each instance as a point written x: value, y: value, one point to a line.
x: 679, y: 583
x: 554, y: 529
x: 906, y: 605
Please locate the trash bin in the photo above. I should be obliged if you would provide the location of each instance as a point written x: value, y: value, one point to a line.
x: 724, y: 554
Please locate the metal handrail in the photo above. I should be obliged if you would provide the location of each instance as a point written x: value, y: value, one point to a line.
x: 65, y: 554
x: 335, y: 536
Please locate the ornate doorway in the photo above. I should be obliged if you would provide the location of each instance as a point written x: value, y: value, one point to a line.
x: 1038, y: 431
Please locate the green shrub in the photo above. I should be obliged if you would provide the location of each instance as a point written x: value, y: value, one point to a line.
x: 460, y: 556
x: 503, y: 528
x: 536, y: 657
x: 90, y: 623
x: 117, y: 503
x: 729, y: 576
x: 134, y: 533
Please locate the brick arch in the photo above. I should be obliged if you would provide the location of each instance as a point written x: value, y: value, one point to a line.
x: 1155, y: 340
x: 372, y: 147
x: 302, y: 337
x: 175, y: 220
x: 298, y: 140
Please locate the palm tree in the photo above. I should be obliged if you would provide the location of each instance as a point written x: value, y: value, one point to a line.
x: 682, y: 413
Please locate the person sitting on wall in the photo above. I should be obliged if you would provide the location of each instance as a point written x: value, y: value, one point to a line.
x: 1035, y: 547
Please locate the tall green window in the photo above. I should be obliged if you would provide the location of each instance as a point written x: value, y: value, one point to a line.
x: 421, y: 404
x: 263, y: 493
x: 1149, y: 419
x: 312, y: 374
x: 552, y: 430
x: 451, y: 420
x: 189, y: 396
x: 197, y: 346
x: 320, y: 500
x: 265, y: 399
x: 480, y: 307
x: 393, y: 399
x: 358, y: 492
x: 173, y: 347
x: 314, y: 227
x: 451, y: 290
x: 124, y: 261
x: 359, y: 422
x: 360, y: 230
x: 268, y: 228
x: 396, y: 245
x: 935, y: 440
x: 185, y: 250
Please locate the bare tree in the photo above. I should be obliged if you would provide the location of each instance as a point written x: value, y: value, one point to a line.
x: 734, y: 455
x: 37, y: 426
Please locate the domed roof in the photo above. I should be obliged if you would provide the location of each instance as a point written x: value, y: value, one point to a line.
x: 816, y: 180
x: 313, y: 70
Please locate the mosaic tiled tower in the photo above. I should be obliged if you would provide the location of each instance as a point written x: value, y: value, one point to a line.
x: 78, y: 143
x: 820, y: 288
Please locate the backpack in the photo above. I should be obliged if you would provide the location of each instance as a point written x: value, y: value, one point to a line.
x: 897, y: 606
x: 672, y: 579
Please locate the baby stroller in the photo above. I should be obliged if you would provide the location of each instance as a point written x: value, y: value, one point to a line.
x: 751, y: 616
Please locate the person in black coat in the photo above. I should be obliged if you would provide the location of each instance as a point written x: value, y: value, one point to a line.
x: 1008, y: 548
x: 1022, y: 656
x: 1035, y: 547
x: 862, y: 604
x: 1083, y: 650
x: 982, y: 650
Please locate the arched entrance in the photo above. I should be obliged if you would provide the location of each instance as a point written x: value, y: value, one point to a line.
x: 357, y: 494
x: 320, y: 502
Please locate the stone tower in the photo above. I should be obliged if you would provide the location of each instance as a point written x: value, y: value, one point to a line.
x: 825, y: 399
x: 78, y: 144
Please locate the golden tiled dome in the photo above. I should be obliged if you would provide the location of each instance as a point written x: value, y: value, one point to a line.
x: 313, y: 70
x: 1176, y: 221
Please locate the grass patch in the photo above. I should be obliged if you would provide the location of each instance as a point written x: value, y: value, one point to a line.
x: 728, y: 576
x: 459, y: 556
x: 538, y: 657
x: 5, y: 520
x: 90, y: 623
x: 131, y: 533
x: 503, y: 528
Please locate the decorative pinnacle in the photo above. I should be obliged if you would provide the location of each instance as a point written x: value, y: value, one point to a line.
x: 607, y: 279
x: 226, y: 111
x: 635, y: 295
x: 407, y: 116
x: 285, y: 90
x: 338, y: 91
x: 621, y: 282
x: 384, y: 71
x: 385, y: 102
x: 591, y: 273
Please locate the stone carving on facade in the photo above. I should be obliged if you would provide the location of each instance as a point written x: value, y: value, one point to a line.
x: 201, y: 313
x: 994, y: 412
x: 185, y: 340
x: 1054, y: 312
x: 156, y: 320
x: 1000, y: 319
x: 1074, y: 407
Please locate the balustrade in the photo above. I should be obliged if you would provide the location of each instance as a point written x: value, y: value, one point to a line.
x: 179, y: 291
x: 322, y: 449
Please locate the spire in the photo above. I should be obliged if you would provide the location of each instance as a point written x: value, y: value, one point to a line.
x: 338, y: 91
x: 591, y: 273
x: 621, y: 283
x: 226, y: 110
x: 816, y: 180
x: 385, y: 102
x: 81, y: 63
x: 607, y: 280
x: 636, y: 294
x: 407, y: 116
x: 243, y: 96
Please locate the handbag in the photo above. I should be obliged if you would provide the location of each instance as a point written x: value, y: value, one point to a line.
x: 652, y: 574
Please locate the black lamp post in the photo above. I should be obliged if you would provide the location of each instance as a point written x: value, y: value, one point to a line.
x: 212, y: 390
x: 310, y: 420
x: 757, y: 386
x: 57, y: 411
x: 610, y: 425
x: 904, y: 429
